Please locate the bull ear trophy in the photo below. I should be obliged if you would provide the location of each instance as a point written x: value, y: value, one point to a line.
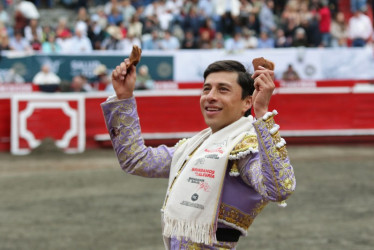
x: 135, y: 55
x: 260, y: 61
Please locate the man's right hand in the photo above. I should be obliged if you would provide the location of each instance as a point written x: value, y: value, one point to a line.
x: 123, y: 79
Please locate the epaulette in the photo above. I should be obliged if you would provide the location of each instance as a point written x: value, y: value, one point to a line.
x: 247, y: 145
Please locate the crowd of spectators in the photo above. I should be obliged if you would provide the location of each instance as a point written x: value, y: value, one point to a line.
x: 189, y: 24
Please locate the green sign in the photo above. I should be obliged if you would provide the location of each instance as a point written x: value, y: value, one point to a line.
x: 68, y: 66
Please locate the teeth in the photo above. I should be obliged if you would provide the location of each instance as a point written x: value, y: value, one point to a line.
x: 212, y: 109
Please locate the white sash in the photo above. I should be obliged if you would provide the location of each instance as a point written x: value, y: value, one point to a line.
x: 192, y: 201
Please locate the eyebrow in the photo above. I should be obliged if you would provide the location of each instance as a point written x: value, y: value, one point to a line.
x: 221, y: 84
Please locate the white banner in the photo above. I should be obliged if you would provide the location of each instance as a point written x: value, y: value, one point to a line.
x: 309, y: 63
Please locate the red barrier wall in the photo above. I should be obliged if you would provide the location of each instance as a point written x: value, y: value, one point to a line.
x: 305, y: 114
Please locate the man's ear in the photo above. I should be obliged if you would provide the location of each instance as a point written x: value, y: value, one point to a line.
x: 247, y: 103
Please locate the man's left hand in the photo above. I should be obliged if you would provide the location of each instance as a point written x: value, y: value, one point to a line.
x: 264, y: 87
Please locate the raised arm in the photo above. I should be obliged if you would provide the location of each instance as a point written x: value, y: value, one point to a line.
x: 269, y: 171
x: 122, y: 122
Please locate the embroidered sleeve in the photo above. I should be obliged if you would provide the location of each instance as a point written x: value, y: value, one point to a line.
x: 122, y: 122
x: 269, y: 170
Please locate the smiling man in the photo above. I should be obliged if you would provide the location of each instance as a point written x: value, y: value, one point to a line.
x: 221, y: 178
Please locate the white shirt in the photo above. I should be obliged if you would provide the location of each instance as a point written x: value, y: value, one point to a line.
x: 42, y: 78
x: 360, y: 27
x: 80, y: 44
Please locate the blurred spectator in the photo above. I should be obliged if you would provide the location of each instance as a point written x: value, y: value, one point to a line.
x: 95, y: 32
x: 103, y: 81
x: 246, y: 8
x: 208, y: 26
x: 64, y: 41
x: 50, y: 45
x: 115, y: 16
x: 35, y: 44
x: 113, y: 41
x: 165, y: 18
x: 20, y: 18
x: 300, y: 39
x: 103, y: 21
x: 4, y: 17
x: 151, y: 41
x: 338, y: 31
x: 192, y: 21
x: 253, y: 23
x: 80, y: 43
x: 135, y: 27
x: 324, y: 17
x: 18, y: 42
x: 266, y: 17
x: 4, y: 43
x: 360, y: 29
x: 148, y: 26
x: 12, y: 76
x: 228, y: 11
x: 290, y: 74
x: 87, y: 87
x: 77, y: 84
x: 46, y: 77
x: 46, y: 30
x: 62, y: 29
x: 150, y: 10
x: 249, y: 39
x: 143, y: 79
x: 189, y: 41
x: 109, y: 6
x: 3, y: 29
x: 128, y: 11
x: 175, y: 7
x: 218, y: 41
x: 357, y: 5
x: 265, y: 42
x: 205, y: 8
x: 128, y: 42
x: 205, y: 40
x: 169, y: 42
x: 82, y: 21
x: 281, y: 41
x: 235, y: 44
x: 32, y: 29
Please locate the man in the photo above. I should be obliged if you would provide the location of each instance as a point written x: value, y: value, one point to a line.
x: 219, y: 179
x: 45, y: 76
x: 360, y: 28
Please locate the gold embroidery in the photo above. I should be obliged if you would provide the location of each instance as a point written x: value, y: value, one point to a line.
x: 269, y: 123
x: 249, y: 141
x: 277, y: 159
x: 283, y: 152
x: 270, y: 160
x: 236, y: 217
x: 276, y: 137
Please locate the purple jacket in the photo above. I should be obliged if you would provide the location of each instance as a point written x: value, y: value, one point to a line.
x: 264, y: 176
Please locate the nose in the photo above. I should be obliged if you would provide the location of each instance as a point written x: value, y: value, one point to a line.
x: 212, y: 95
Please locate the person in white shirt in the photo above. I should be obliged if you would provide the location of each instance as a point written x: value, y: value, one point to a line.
x: 80, y: 43
x: 45, y: 76
x: 360, y: 29
x: 169, y: 42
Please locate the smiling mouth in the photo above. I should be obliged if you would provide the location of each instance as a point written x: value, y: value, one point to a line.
x: 210, y: 109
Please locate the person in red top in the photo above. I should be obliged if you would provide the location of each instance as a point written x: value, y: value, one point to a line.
x: 324, y: 16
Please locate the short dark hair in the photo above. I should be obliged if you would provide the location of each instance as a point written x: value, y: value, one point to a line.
x: 244, y: 78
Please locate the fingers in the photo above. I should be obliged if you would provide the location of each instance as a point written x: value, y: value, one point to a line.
x: 262, y: 70
x: 263, y: 77
x: 120, y: 72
